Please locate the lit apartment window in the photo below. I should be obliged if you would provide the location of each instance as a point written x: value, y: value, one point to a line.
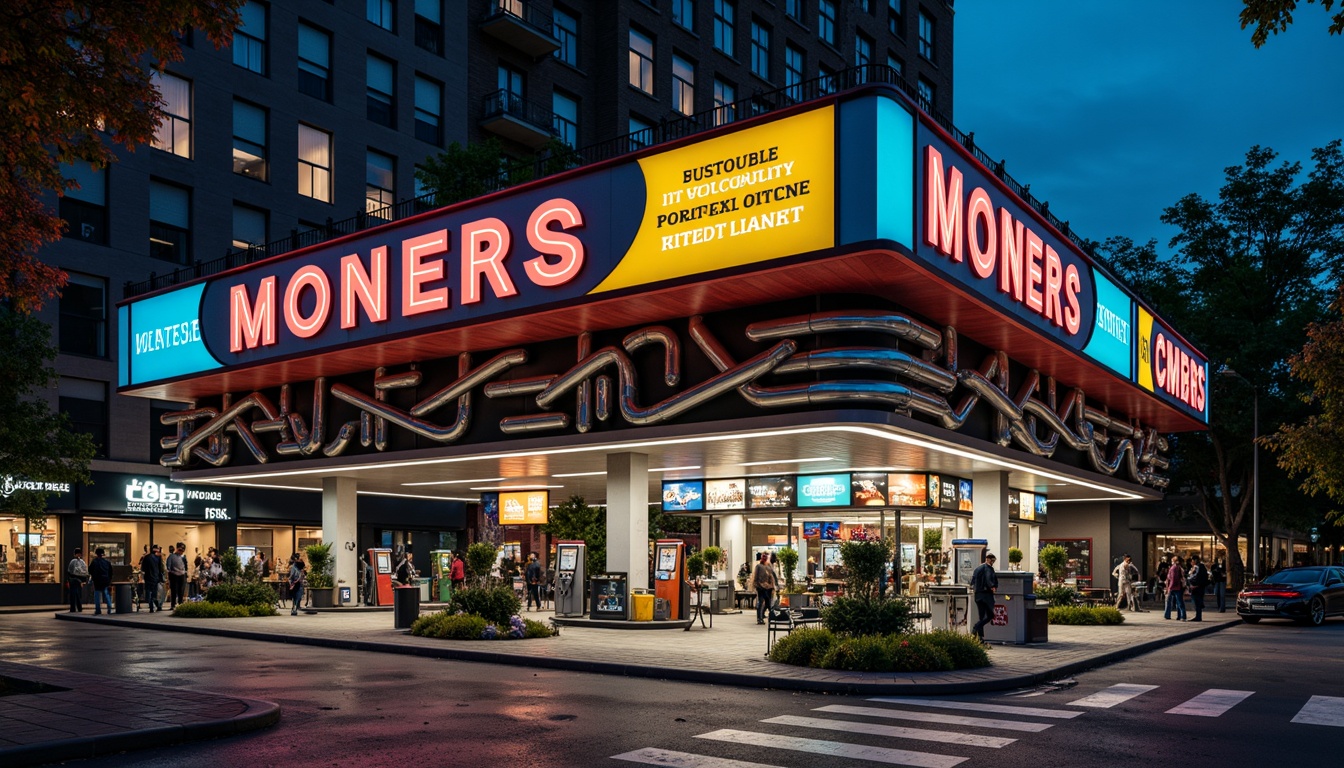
x: 381, y: 12
x: 379, y: 184
x: 381, y: 77
x: 85, y: 209
x: 725, y: 14
x: 565, y: 28
x: 793, y: 72
x: 84, y: 401
x: 926, y: 32
x: 926, y: 93
x: 249, y: 141
x: 169, y: 222
x: 826, y: 20
x: 641, y: 133
x: 895, y: 17
x: 174, y: 132
x: 641, y: 61
x: 249, y: 39
x: 760, y: 49
x: 314, y: 163
x: 683, y: 13
x: 566, y: 115
x: 683, y: 86
x: 724, y: 96
x: 249, y: 227
x: 794, y: 8
x: 314, y: 62
x: 428, y: 111
x: 83, y: 322
x: 429, y: 25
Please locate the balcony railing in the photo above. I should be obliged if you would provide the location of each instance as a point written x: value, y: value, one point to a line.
x: 521, y: 24
x: 513, y: 117
x: 549, y: 162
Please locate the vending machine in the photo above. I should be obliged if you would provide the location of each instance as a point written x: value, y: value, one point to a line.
x: 967, y: 555
x: 669, y: 577
x: 381, y: 559
x: 442, y: 562
x: 570, y: 595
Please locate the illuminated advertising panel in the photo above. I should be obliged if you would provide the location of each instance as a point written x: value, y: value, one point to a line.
x: 152, y: 496
x: 965, y: 495
x: 868, y: 489
x: 683, y: 495
x: 165, y: 337
x: 1027, y: 506
x: 770, y: 492
x: 1041, y: 509
x: 906, y: 490
x: 948, y: 489
x: 823, y: 490
x: 725, y: 494
x: 1170, y: 369
x: 1014, y: 504
x: 524, y: 507
x: 1112, y: 342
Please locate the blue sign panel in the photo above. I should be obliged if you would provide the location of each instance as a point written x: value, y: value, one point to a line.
x: 1112, y: 342
x: 683, y: 495
x: 165, y: 337
x: 823, y: 490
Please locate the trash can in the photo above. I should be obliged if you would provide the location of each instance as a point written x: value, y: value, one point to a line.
x: 405, y: 606
x: 1014, y: 598
x: 643, y: 605
x: 121, y: 596
x: 949, y: 606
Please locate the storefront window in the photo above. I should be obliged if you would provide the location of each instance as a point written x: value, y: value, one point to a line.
x: 1207, y: 547
x: 124, y: 540
x: 30, y: 554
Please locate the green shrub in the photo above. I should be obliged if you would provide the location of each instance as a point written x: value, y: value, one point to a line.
x: 1060, y: 595
x: 856, y: 616
x: 208, y: 610
x: 261, y: 609
x: 1053, y: 559
x: 965, y: 651
x: 803, y: 647
x: 495, y: 604
x: 868, y: 653
x: 535, y: 629
x: 449, y: 626
x: 916, y: 653
x: 240, y: 594
x: 865, y: 565
x: 480, y: 559
x: 1082, y: 615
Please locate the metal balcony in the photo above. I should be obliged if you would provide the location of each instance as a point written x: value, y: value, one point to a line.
x: 521, y: 24
x: 512, y: 117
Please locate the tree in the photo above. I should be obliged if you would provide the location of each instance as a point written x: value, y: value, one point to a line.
x: 574, y: 520
x: 35, y: 444
x: 76, y: 75
x: 1053, y: 559
x: 460, y: 173
x: 1274, y: 16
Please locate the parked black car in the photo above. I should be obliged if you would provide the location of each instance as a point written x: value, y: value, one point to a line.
x: 1306, y: 594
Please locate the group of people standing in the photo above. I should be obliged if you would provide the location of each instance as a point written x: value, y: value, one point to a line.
x: 1192, y: 577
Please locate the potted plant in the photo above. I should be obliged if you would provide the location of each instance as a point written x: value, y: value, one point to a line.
x: 713, y: 559
x: 1054, y: 559
x: 1014, y: 559
x: 788, y: 563
x: 320, y: 582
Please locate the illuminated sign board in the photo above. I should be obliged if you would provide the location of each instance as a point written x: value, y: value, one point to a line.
x: 823, y: 490
x: 1170, y: 369
x: 1026, y: 506
x: 907, y: 490
x: 1041, y: 508
x: 683, y: 495
x: 524, y: 507
x: 1112, y: 342
x: 725, y: 494
x: 150, y: 496
x: 770, y: 492
x: 868, y: 489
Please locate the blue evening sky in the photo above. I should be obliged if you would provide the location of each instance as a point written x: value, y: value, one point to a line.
x: 1114, y: 111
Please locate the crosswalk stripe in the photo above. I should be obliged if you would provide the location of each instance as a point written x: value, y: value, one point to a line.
x: 894, y: 731
x: 937, y: 717
x: 1211, y: 703
x: 835, y: 749
x: 973, y: 706
x: 651, y: 756
x: 1322, y: 710
x: 1109, y: 697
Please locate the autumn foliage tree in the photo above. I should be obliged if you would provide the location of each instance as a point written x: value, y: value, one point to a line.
x: 76, y: 79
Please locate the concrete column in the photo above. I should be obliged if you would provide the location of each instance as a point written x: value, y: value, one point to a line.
x: 340, y: 523
x: 1030, y: 563
x: 733, y: 539
x: 991, y: 512
x: 964, y: 525
x: 628, y: 516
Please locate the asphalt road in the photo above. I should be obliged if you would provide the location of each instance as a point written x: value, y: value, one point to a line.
x: 366, y: 709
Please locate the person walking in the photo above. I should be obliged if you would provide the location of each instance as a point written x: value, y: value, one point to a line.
x: 176, y: 565
x: 151, y: 573
x: 984, y: 583
x: 1218, y: 578
x: 764, y: 576
x: 459, y: 571
x: 1127, y: 577
x: 1198, y: 577
x: 76, y: 573
x: 1175, y: 590
x: 533, y: 578
x: 297, y: 576
x: 100, y: 570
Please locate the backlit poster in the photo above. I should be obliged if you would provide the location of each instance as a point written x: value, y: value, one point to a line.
x: 906, y: 490
x: 725, y: 494
x: 524, y: 508
x: 770, y: 492
x: 1040, y: 509
x: 965, y: 495
x: 683, y: 495
x: 947, y: 498
x: 1028, y: 506
x: 1014, y: 504
x: 868, y: 489
x: 823, y: 490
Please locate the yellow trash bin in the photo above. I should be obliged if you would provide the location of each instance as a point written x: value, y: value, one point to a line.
x: 643, y: 605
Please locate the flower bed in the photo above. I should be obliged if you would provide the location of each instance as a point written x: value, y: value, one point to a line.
x: 938, y: 651
x: 468, y: 626
x: 1082, y: 615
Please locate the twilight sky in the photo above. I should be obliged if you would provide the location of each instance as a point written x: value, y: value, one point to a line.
x: 1113, y: 111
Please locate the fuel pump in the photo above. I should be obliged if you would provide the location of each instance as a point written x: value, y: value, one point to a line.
x: 669, y: 577
x: 570, y: 595
x: 382, y: 575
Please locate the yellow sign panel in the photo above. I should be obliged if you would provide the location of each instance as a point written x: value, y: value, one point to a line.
x: 524, y: 508
x: 750, y: 196
x: 1145, y: 367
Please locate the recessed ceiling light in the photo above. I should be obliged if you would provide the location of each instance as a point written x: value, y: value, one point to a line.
x: 674, y: 469
x: 460, y: 482
x: 580, y: 474
x: 536, y: 487
x: 783, y: 461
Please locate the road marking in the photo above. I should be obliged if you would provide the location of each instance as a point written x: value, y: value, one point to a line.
x: 1211, y: 703
x: 1109, y: 697
x: 1322, y: 710
x: 974, y: 706
x: 651, y: 756
x: 835, y: 749
x: 937, y: 717
x: 894, y: 731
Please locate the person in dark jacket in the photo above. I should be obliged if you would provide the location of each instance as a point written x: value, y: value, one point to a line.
x: 151, y: 571
x: 1218, y: 580
x: 984, y: 583
x: 1198, y: 577
x: 533, y: 578
x: 100, y: 570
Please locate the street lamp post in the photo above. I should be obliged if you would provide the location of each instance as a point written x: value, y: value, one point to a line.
x: 1255, y: 473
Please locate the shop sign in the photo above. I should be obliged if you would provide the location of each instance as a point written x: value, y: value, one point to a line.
x: 868, y: 489
x: 725, y: 494
x: 147, y: 496
x: 9, y: 485
x: 907, y: 490
x: 1170, y: 368
x: 683, y: 495
x: 1041, y: 502
x: 524, y: 508
x: 1112, y: 342
x: 823, y: 490
x: 771, y: 492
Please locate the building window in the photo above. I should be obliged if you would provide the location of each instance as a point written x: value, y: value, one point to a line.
x: 825, y: 80
x: 565, y: 28
x: 381, y: 77
x: 897, y: 65
x: 314, y: 163
x: 926, y: 93
x: 760, y: 49
x: 793, y: 72
x: 826, y: 21
x: 511, y: 81
x: 926, y: 32
x: 725, y: 15
x: 641, y: 61
x: 174, y: 132
x: 683, y: 13
x: 683, y: 85
x: 249, y: 141
x: 724, y: 96
x: 864, y: 5
x: 429, y: 25
x: 863, y: 50
x: 314, y: 62
x: 566, y: 115
x: 895, y: 17
x: 379, y: 184
x: 794, y: 9
x: 83, y: 323
x: 169, y: 222
x: 85, y: 209
x: 641, y: 133
x: 381, y: 12
x: 84, y: 401
x: 249, y: 227
x: 249, y: 39
x: 428, y: 111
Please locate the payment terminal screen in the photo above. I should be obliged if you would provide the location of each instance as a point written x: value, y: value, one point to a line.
x: 667, y: 559
x: 567, y: 558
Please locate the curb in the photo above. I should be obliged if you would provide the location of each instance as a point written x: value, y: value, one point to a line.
x: 686, y: 675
